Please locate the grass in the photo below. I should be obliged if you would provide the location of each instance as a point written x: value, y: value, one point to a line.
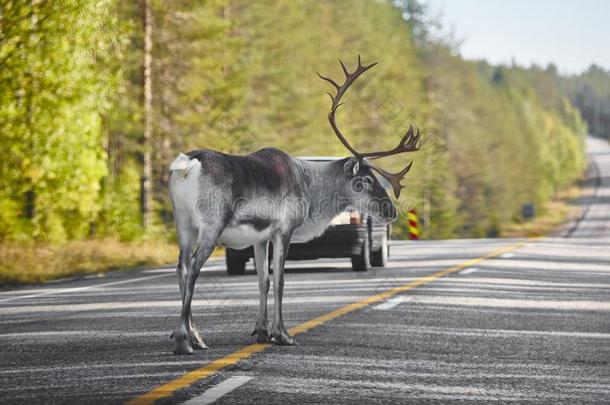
x: 555, y: 214
x: 38, y: 263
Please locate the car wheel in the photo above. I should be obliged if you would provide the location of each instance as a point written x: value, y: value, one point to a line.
x: 361, y: 262
x: 236, y: 266
x: 379, y: 257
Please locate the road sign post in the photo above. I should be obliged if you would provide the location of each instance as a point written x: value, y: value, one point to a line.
x: 413, y: 224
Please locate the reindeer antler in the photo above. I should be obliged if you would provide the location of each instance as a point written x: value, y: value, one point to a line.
x: 410, y: 142
x: 394, y: 178
x: 336, y: 100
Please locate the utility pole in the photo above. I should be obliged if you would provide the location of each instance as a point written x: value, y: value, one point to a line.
x: 146, y: 141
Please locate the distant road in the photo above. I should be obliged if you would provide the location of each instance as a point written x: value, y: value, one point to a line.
x: 596, y: 215
x: 530, y: 324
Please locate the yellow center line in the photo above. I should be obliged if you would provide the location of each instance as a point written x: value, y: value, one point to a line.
x: 212, y: 368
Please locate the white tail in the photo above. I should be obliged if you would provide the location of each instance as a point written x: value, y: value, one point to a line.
x: 183, y: 164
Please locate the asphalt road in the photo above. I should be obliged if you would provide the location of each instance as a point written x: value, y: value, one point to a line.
x: 530, y: 325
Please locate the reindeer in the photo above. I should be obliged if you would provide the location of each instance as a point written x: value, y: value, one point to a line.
x: 270, y: 196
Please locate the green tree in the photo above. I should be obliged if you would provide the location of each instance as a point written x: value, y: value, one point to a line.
x: 56, y: 85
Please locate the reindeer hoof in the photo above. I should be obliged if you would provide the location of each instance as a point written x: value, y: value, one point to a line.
x: 196, y: 341
x: 181, y: 343
x: 282, y: 339
x: 199, y: 346
x: 262, y: 335
x: 183, y: 348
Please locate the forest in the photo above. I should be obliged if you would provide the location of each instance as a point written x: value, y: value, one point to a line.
x: 97, y: 98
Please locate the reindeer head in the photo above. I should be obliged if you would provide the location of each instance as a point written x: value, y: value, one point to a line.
x: 367, y: 193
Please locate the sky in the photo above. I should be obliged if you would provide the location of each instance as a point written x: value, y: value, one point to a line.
x: 572, y: 34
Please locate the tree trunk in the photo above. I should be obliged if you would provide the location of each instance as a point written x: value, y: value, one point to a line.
x: 146, y: 141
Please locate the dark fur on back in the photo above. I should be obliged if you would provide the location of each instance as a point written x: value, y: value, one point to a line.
x: 268, y: 171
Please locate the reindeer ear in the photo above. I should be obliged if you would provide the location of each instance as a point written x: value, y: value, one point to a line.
x: 351, y: 167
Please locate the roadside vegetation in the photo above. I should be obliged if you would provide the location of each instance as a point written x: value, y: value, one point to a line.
x: 80, y: 183
x: 39, y: 262
x: 555, y: 216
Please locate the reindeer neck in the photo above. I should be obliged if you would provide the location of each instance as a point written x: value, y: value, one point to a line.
x: 326, y: 196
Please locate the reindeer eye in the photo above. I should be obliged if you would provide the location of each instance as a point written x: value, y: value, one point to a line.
x: 360, y: 184
x: 357, y: 184
x: 368, y: 182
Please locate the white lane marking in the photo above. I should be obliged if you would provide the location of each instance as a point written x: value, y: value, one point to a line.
x: 173, y: 270
x: 391, y: 303
x: 213, y: 394
x: 135, y: 365
x: 468, y: 271
x: 551, y: 265
x: 554, y: 305
x: 299, y: 386
x: 230, y: 284
x: 77, y: 289
x: 397, y: 329
x: 507, y: 255
x: 515, y: 283
x: 84, y: 333
x: 117, y: 305
x: 159, y: 271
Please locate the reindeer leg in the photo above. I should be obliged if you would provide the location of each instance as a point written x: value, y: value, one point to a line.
x: 181, y: 336
x: 279, y: 335
x: 261, y: 330
x: 181, y: 271
x: 194, y: 335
